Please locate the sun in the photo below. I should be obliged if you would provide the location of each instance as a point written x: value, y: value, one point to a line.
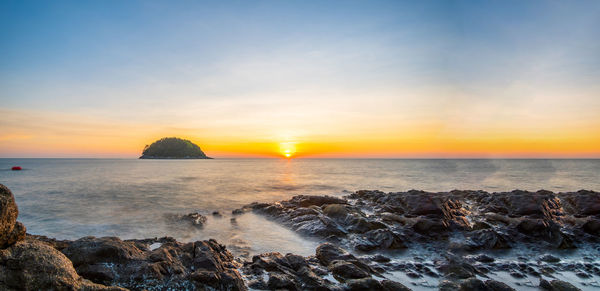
x: 287, y: 149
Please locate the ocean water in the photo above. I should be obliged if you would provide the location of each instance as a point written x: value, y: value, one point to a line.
x: 130, y: 198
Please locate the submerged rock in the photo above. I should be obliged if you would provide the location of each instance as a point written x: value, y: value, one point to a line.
x: 194, y: 218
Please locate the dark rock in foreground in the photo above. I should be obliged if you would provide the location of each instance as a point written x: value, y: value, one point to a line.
x: 153, y: 263
x: 34, y: 265
x: 11, y: 230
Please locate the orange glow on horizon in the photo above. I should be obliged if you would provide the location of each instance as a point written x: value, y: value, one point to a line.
x: 78, y: 136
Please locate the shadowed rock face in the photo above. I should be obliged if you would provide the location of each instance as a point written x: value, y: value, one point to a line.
x: 10, y: 230
x: 133, y: 264
x: 35, y: 265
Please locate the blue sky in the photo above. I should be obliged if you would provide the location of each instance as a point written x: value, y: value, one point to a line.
x: 208, y: 67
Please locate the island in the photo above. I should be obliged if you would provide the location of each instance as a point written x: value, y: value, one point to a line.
x: 173, y: 148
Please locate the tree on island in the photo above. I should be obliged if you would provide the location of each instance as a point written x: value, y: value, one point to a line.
x: 173, y: 148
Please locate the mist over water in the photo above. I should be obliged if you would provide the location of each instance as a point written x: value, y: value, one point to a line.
x: 129, y: 198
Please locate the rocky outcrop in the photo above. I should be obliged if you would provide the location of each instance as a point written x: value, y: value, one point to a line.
x: 153, y: 263
x: 11, y: 230
x: 374, y: 220
x: 30, y: 264
x: 332, y: 268
x: 34, y: 265
x: 459, y: 229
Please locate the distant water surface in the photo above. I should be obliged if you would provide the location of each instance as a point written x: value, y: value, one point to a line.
x: 130, y: 198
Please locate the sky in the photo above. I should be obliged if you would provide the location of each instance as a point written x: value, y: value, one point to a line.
x: 358, y: 79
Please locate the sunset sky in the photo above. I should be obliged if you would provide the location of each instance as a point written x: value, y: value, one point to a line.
x: 385, y: 79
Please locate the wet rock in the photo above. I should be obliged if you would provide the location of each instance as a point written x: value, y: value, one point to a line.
x: 488, y: 239
x: 111, y: 261
x: 379, y: 239
x: 35, y: 265
x: 557, y: 285
x: 195, y: 218
x: 456, y: 268
x: 347, y: 270
x: 281, y: 281
x: 336, y: 210
x: 592, y: 226
x: 327, y: 253
x: 493, y: 285
x: 11, y: 231
x: 473, y: 284
x: 517, y: 275
x: 364, y: 284
x: 583, y: 275
x: 484, y: 258
x: 291, y: 271
x: 309, y: 200
x: 549, y: 258
x: 393, y: 286
x: 582, y: 203
x: 429, y: 226
x: 447, y: 285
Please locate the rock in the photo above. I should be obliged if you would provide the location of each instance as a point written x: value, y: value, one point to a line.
x: 217, y: 214
x: 238, y: 211
x: 488, y: 239
x: 347, y: 270
x: 446, y: 285
x: 393, y: 286
x: 336, y: 210
x: 364, y: 284
x: 582, y: 203
x: 379, y: 239
x: 592, y: 226
x: 493, y: 285
x: 195, y: 218
x: 327, y: 253
x: 557, y: 285
x: 549, y: 258
x: 173, y: 265
x: 281, y: 281
x: 11, y: 231
x: 484, y: 258
x: 91, y: 250
x: 455, y: 268
x: 429, y: 226
x: 34, y: 265
x: 309, y: 200
x: 473, y: 284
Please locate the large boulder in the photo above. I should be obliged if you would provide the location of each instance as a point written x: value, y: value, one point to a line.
x: 11, y: 231
x: 34, y: 265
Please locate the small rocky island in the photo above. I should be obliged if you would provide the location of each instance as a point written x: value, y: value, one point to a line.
x: 173, y: 148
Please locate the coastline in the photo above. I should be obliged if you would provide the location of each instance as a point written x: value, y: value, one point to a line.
x: 463, y: 238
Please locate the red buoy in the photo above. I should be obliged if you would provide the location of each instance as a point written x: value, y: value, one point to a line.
x: 16, y: 168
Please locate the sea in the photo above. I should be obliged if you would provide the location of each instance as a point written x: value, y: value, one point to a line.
x: 131, y: 198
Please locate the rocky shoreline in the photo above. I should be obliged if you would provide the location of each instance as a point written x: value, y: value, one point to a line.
x: 458, y: 240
